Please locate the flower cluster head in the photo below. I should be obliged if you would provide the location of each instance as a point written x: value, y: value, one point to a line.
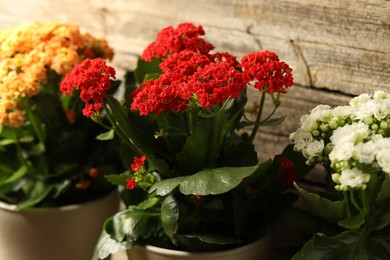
x: 192, y: 75
x: 353, y: 140
x: 92, y: 78
x: 140, y: 176
x: 170, y: 40
x: 27, y: 52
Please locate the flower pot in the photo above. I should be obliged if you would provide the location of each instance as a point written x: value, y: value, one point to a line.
x: 258, y: 250
x: 63, y: 233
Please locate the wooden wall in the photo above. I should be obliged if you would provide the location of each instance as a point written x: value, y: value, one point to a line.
x: 337, y: 48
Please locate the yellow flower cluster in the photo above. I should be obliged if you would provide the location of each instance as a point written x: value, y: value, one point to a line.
x: 28, y: 51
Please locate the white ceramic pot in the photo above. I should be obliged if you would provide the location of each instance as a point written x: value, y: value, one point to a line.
x: 63, y: 233
x: 258, y: 250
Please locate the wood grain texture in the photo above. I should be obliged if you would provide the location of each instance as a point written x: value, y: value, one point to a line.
x: 337, y: 49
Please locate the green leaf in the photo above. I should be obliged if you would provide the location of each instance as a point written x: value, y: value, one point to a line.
x: 148, y: 203
x: 17, y: 174
x: 164, y: 187
x: 206, y: 182
x: 118, y: 179
x: 195, y: 153
x: 109, y: 135
x: 354, y: 222
x: 384, y: 193
x: 273, y: 121
x: 215, y: 239
x: 134, y: 223
x: 146, y: 67
x: 331, y: 211
x: 349, y: 245
x: 36, y: 194
x: 170, y: 216
x: 107, y: 246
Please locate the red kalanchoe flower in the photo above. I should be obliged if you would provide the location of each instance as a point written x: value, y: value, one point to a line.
x: 215, y: 83
x: 130, y: 183
x: 185, y: 62
x: 224, y: 57
x: 138, y: 163
x: 92, y: 78
x: 267, y: 71
x: 288, y: 170
x: 165, y: 94
x: 170, y: 40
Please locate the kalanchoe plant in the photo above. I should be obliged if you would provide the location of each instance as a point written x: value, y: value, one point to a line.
x: 353, y: 143
x: 48, y: 152
x: 195, y: 182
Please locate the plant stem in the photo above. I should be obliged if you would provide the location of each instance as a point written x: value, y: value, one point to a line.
x: 346, y: 203
x: 120, y: 133
x: 354, y: 203
x: 363, y: 198
x: 215, y: 139
x: 258, y: 118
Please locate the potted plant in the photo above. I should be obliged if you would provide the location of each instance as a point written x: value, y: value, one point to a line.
x: 195, y: 183
x: 50, y: 159
x: 351, y: 210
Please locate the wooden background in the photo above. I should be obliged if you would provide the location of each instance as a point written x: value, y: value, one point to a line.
x: 337, y: 49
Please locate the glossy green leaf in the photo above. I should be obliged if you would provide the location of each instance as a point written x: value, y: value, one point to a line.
x: 170, y: 216
x: 17, y: 174
x: 146, y: 67
x: 107, y: 246
x: 134, y: 223
x: 109, y: 135
x: 354, y: 222
x: 384, y: 193
x: 349, y: 245
x: 37, y: 193
x: 206, y: 182
x: 331, y: 211
x: 215, y: 239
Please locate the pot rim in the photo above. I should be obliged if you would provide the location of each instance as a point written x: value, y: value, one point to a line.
x: 155, y: 249
x: 12, y: 207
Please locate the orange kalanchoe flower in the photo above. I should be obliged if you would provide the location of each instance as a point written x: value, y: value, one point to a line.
x: 28, y: 51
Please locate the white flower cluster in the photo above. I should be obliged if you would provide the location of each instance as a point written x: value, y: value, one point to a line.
x: 353, y: 140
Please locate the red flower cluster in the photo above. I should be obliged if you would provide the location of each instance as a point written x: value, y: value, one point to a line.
x: 138, y: 163
x: 170, y: 40
x: 92, y: 78
x: 130, y: 183
x: 189, y: 75
x: 267, y: 71
x: 288, y: 170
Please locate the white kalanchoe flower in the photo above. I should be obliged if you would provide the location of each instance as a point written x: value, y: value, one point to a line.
x: 365, y: 152
x: 354, y: 133
x: 342, y: 112
x: 314, y: 148
x: 342, y: 152
x: 381, y: 142
x: 359, y: 100
x: 381, y: 109
x: 383, y: 159
x: 351, y: 179
x: 301, y: 138
x: 322, y: 113
x: 379, y: 94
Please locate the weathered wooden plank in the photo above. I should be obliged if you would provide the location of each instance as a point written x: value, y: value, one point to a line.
x: 328, y: 43
x: 336, y: 48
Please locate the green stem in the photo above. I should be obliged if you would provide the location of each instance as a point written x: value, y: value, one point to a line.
x: 363, y: 198
x: 120, y: 133
x: 270, y: 115
x: 353, y: 200
x: 215, y: 141
x: 258, y: 118
x: 346, y: 203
